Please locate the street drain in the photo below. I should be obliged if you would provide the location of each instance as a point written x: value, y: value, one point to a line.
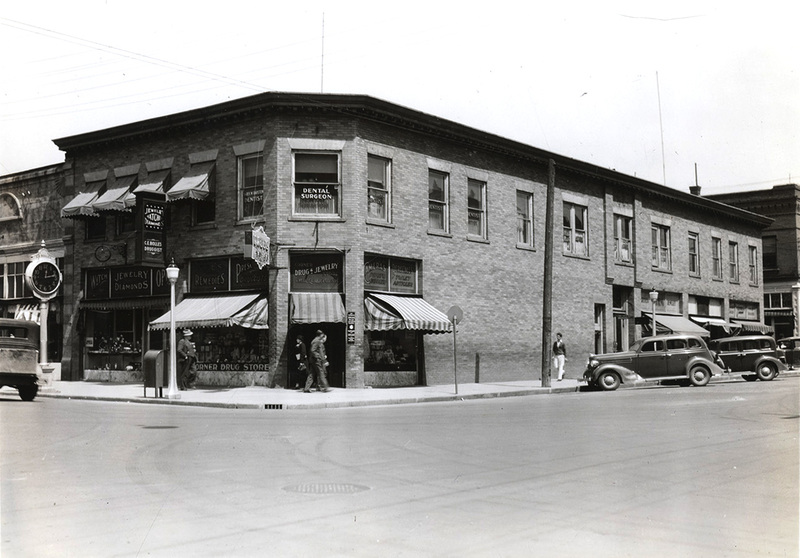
x: 326, y: 488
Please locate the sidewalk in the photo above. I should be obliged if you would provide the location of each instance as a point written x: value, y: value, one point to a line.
x: 259, y: 397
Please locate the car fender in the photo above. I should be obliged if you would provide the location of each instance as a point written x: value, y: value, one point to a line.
x: 625, y: 374
x: 781, y: 366
x: 715, y: 369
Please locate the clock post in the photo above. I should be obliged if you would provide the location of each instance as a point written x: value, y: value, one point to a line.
x: 44, y: 279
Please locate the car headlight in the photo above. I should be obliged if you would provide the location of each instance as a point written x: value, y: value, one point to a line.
x: 592, y: 363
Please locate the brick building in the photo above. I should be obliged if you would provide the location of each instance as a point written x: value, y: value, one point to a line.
x: 780, y: 252
x: 30, y: 202
x: 379, y: 219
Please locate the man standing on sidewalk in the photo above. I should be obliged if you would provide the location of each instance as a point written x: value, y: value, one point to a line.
x: 559, y: 356
x: 187, y: 356
x: 319, y: 360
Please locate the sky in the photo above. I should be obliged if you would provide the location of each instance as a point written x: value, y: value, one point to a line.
x: 674, y: 92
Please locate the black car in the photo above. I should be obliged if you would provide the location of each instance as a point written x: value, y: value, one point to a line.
x: 757, y: 354
x: 662, y: 357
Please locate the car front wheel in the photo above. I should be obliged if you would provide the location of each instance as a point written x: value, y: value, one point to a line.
x: 766, y: 371
x: 608, y: 381
x: 699, y: 376
x: 28, y: 393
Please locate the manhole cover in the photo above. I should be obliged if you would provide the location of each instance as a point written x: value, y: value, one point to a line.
x: 326, y: 488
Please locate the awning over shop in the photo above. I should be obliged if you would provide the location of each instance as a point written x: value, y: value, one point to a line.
x: 706, y: 322
x: 755, y: 327
x: 82, y: 204
x: 678, y: 324
x: 118, y: 198
x: 778, y: 313
x: 248, y: 310
x: 316, y: 308
x: 126, y: 303
x: 153, y: 184
x: 28, y: 312
x: 387, y: 312
x: 193, y: 186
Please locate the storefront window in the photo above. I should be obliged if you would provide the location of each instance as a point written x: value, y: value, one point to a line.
x: 232, y: 349
x: 391, y: 351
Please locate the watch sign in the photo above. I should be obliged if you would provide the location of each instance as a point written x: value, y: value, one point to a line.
x: 151, y: 236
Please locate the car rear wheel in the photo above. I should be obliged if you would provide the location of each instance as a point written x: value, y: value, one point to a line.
x: 28, y: 393
x: 699, y: 376
x: 608, y: 381
x: 750, y: 377
x: 766, y: 371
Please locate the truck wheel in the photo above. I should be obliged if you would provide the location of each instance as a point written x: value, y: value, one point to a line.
x: 28, y: 393
x: 699, y: 376
x: 608, y: 381
x: 766, y: 371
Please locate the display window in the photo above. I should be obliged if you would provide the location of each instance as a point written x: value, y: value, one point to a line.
x: 231, y: 349
x: 394, y: 350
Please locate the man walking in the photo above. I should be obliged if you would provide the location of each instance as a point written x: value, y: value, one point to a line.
x: 319, y: 360
x: 559, y: 356
x: 187, y: 356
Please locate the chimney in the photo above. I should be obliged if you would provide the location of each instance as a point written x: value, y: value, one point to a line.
x: 694, y: 190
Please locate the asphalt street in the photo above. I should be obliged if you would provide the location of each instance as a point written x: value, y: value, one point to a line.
x: 662, y: 471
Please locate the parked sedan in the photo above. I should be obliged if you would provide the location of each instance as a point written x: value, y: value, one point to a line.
x: 791, y: 345
x: 756, y: 354
x: 663, y: 357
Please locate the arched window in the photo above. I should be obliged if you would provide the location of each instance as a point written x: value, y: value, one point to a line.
x: 10, y: 207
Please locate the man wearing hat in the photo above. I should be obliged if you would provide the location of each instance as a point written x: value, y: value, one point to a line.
x: 187, y: 357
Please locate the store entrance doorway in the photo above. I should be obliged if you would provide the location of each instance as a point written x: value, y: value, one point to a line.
x: 334, y: 346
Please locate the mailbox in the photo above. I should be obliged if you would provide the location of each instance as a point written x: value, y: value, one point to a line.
x: 155, y: 371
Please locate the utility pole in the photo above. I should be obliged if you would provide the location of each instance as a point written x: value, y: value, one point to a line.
x: 547, y: 290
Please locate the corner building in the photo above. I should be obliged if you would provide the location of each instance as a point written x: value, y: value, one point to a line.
x: 379, y: 219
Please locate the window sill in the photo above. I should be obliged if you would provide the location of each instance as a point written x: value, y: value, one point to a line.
x: 659, y: 270
x: 575, y: 256
x: 477, y: 239
x: 248, y: 221
x: 443, y: 234
x: 318, y: 218
x: 379, y: 223
x: 528, y: 247
x: 624, y: 264
x: 204, y: 227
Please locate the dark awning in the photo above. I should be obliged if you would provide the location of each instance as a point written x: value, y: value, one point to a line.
x: 316, y: 308
x: 194, y: 186
x: 247, y: 310
x: 118, y: 198
x: 755, y: 327
x: 727, y: 327
x: 153, y: 184
x: 386, y: 312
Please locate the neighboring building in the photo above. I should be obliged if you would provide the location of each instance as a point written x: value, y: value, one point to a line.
x: 779, y: 255
x: 380, y: 218
x: 30, y: 203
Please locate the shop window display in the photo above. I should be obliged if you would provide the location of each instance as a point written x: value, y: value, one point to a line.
x: 391, y: 351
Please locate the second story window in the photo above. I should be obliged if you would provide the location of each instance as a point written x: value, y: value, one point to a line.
x: 524, y: 218
x: 250, y: 183
x: 575, y: 232
x: 379, y: 191
x: 716, y: 258
x: 660, y: 241
x: 733, y: 262
x: 438, y: 201
x: 770, y: 252
x: 476, y: 208
x: 752, y: 256
x: 623, y: 243
x: 95, y: 228
x: 15, y: 286
x: 317, y: 184
x: 694, y: 254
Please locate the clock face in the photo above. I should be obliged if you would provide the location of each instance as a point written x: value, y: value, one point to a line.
x: 46, y: 278
x: 102, y: 253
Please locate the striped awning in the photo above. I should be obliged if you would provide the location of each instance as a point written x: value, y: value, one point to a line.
x: 387, y: 312
x: 153, y: 184
x: 194, y: 186
x: 248, y: 310
x: 316, y: 308
x: 755, y: 327
x: 118, y: 198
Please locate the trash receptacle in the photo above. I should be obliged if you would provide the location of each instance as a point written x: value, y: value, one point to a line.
x: 155, y: 371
